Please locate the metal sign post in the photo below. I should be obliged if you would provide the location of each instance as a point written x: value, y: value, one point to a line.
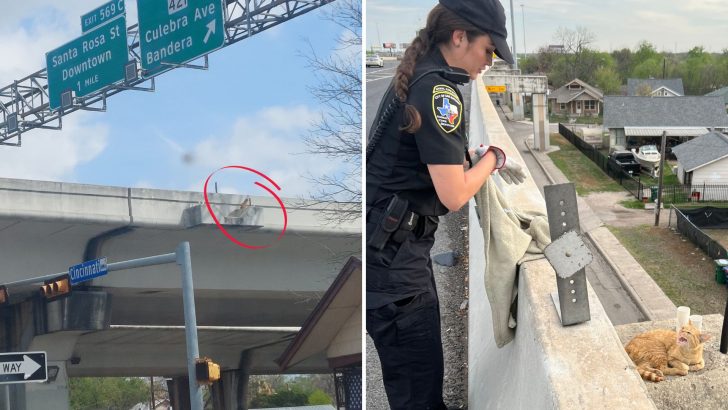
x: 568, y: 254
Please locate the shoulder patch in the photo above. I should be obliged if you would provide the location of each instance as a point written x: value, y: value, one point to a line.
x: 446, y: 107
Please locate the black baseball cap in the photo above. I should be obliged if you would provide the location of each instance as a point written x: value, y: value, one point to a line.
x: 487, y: 15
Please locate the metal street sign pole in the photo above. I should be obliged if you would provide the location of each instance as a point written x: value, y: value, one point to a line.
x: 188, y: 298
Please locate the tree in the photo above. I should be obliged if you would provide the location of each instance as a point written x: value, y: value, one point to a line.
x: 112, y: 393
x: 319, y: 397
x: 643, y: 90
x: 607, y: 79
x: 337, y: 134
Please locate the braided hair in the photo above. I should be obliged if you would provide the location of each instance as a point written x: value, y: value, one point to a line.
x: 441, y: 22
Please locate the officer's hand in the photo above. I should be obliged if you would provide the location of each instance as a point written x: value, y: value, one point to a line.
x: 512, y: 172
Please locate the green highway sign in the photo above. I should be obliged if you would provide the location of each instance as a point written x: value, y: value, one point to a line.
x: 102, y: 15
x: 178, y: 31
x: 88, y: 63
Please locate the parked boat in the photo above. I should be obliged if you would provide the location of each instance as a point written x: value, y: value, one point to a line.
x: 649, y: 158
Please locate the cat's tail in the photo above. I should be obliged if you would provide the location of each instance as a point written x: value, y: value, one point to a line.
x: 650, y: 374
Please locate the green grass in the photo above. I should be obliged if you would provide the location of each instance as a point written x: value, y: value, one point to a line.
x: 632, y: 204
x: 579, y: 169
x: 579, y: 120
x: 683, y: 272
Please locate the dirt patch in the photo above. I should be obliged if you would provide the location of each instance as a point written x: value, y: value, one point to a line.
x: 719, y: 235
x: 607, y: 206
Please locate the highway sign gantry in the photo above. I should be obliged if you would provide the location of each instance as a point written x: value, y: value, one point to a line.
x: 102, y: 15
x: 173, y: 32
x: 88, y: 63
x: 23, y: 367
x: 88, y: 270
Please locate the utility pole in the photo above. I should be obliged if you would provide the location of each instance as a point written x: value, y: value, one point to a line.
x: 513, y: 40
x: 662, y: 172
x: 523, y: 21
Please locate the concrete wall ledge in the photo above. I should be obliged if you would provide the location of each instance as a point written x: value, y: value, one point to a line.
x: 547, y: 365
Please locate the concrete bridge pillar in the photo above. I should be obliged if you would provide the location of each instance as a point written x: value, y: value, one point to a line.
x: 540, y: 122
x: 53, y: 394
x: 517, y: 100
x: 179, y: 392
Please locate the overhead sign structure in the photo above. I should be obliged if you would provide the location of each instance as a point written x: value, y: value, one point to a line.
x: 88, y: 63
x: 495, y: 88
x: 88, y: 270
x: 23, y: 367
x: 102, y: 15
x: 173, y: 32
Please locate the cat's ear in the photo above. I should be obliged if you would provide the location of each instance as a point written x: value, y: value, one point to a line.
x: 705, y: 337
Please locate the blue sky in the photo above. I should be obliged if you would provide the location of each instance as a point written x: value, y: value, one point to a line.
x: 250, y: 108
x: 668, y: 24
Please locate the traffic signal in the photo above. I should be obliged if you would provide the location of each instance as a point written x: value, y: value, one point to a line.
x: 56, y: 288
x: 3, y: 295
x: 206, y: 371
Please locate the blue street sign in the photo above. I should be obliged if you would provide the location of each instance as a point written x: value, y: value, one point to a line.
x: 102, y: 15
x: 23, y: 367
x: 88, y: 63
x: 87, y: 270
x: 178, y: 31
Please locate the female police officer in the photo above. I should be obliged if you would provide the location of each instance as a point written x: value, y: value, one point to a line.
x: 415, y: 173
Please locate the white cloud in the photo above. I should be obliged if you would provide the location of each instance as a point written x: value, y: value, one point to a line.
x: 269, y: 141
x: 53, y: 155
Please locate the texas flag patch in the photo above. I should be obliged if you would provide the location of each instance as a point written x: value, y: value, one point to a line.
x: 446, y: 107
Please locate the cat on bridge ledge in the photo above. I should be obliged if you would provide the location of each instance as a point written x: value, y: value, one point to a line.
x: 662, y: 352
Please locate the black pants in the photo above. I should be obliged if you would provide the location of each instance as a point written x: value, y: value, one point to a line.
x: 407, y: 336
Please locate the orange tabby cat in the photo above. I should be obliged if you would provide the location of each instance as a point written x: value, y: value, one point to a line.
x: 662, y: 352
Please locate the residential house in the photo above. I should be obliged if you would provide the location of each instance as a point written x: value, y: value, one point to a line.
x: 635, y: 121
x: 576, y: 98
x: 721, y: 92
x: 655, y: 87
x: 333, y: 330
x: 704, y: 161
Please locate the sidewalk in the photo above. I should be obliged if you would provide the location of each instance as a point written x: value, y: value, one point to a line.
x: 650, y: 299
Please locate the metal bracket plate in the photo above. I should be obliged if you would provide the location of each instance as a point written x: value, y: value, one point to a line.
x: 563, y: 215
x: 568, y: 254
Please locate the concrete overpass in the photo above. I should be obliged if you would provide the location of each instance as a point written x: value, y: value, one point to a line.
x: 249, y: 303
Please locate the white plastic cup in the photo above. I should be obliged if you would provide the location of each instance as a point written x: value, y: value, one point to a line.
x: 697, y: 321
x: 683, y: 314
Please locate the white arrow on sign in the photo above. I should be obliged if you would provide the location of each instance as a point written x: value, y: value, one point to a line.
x: 210, y: 30
x: 28, y: 366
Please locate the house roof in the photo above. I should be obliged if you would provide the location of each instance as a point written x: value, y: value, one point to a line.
x: 702, y: 150
x: 721, y: 92
x: 673, y: 84
x: 564, y: 95
x: 688, y: 111
x: 328, y: 318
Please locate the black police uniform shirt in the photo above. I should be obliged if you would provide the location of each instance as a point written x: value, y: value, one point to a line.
x: 399, y: 162
x: 399, y: 165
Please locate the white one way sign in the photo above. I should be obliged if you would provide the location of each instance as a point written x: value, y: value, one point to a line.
x: 23, y: 367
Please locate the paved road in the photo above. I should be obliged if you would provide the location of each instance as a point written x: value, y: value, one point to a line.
x: 377, y: 81
x: 616, y: 301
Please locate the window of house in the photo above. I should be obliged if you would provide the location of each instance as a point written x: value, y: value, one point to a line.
x: 590, y: 105
x: 574, y: 86
x: 562, y: 106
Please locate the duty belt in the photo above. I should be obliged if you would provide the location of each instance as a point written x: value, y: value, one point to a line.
x: 394, y: 222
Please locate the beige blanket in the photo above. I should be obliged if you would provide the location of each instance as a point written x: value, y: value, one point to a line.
x: 511, y: 238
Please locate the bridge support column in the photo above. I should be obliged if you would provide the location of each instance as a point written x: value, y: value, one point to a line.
x: 232, y: 390
x: 179, y: 392
x: 53, y: 394
x: 540, y: 122
x: 517, y: 100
